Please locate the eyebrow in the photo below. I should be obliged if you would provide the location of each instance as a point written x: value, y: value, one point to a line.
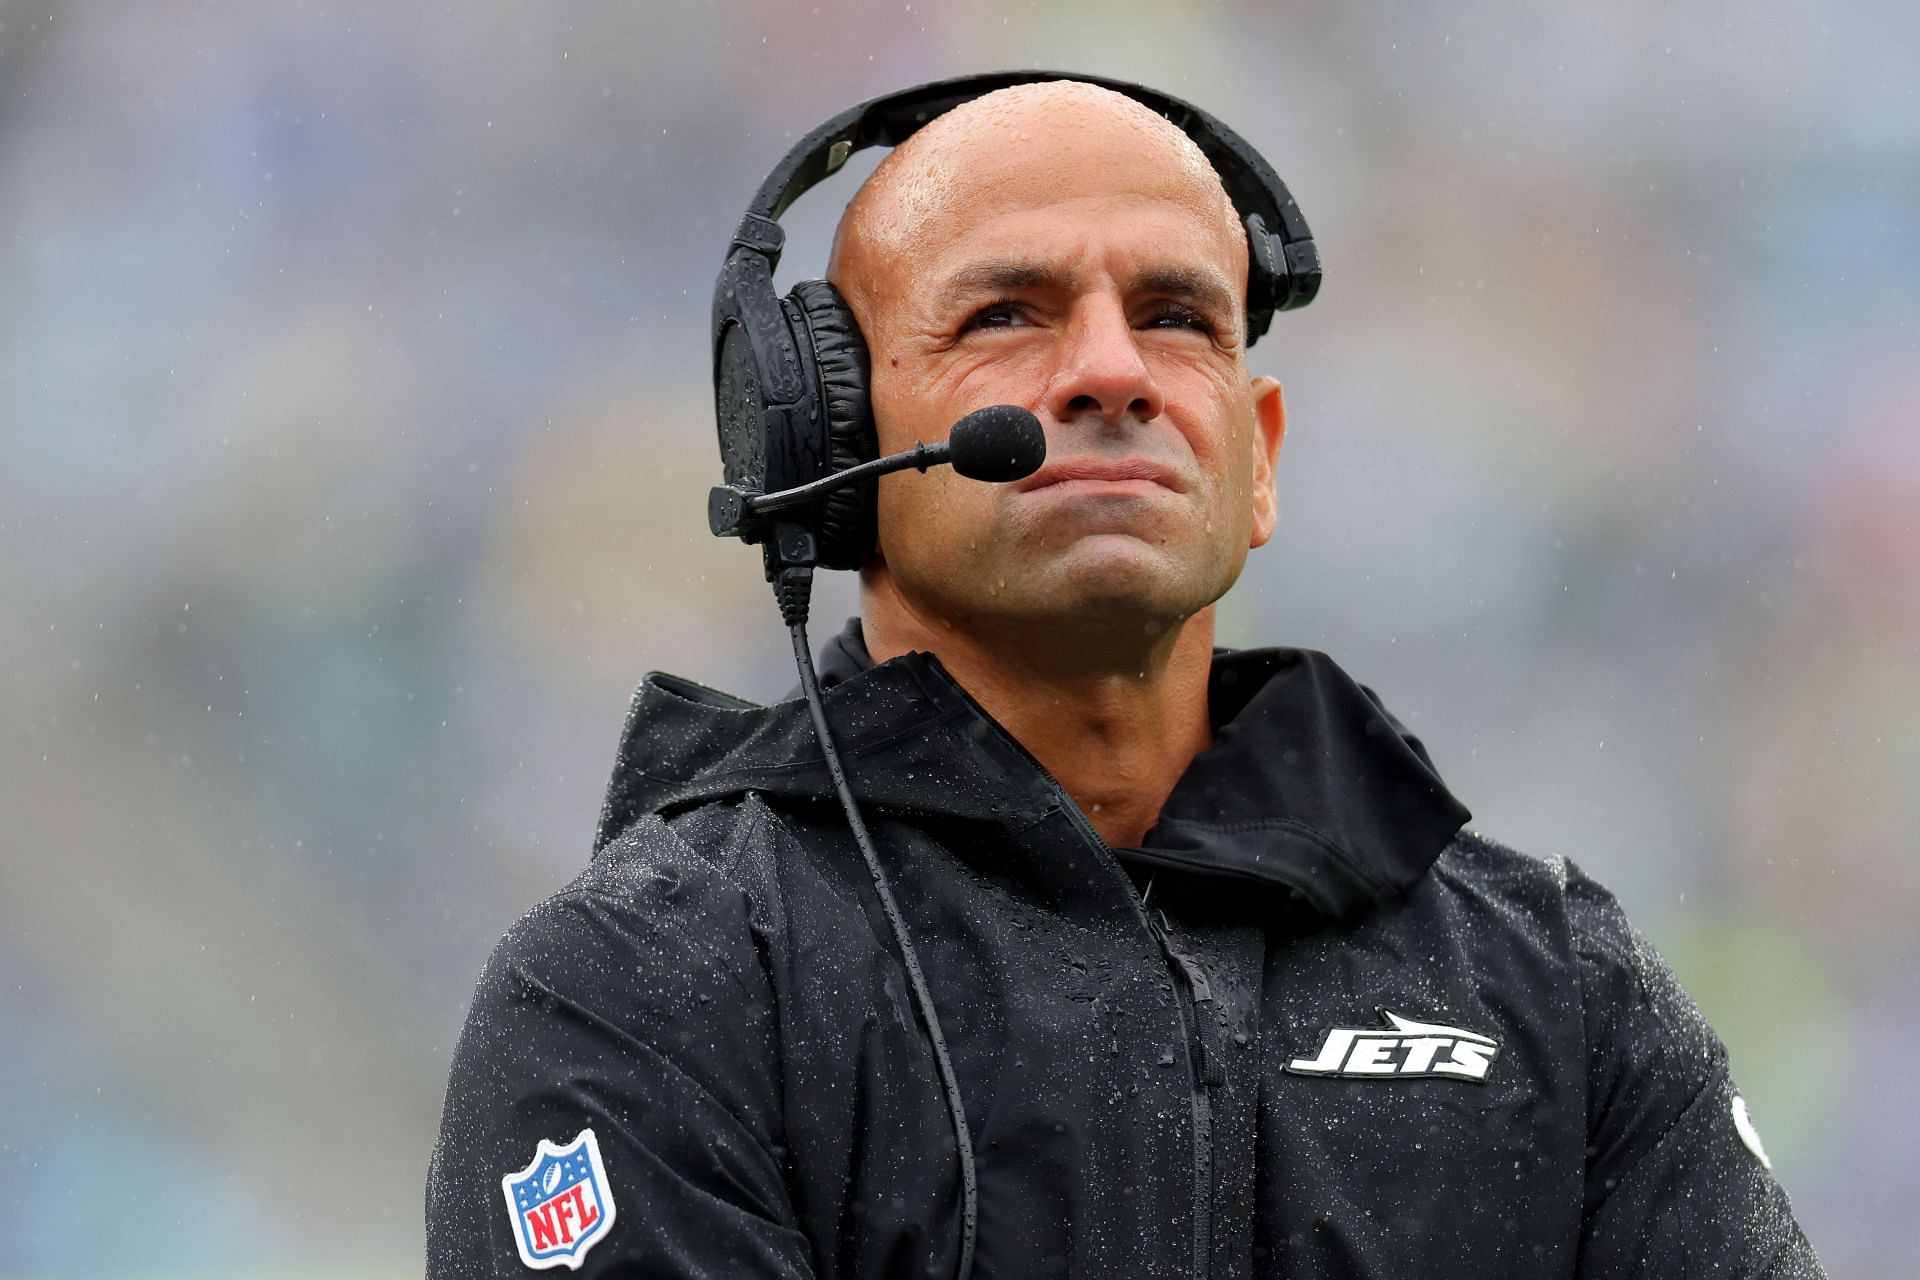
x: 1187, y: 284
x: 991, y: 277
x: 1190, y: 285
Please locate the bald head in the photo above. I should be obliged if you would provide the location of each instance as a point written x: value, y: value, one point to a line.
x: 1059, y: 247
x: 1012, y: 147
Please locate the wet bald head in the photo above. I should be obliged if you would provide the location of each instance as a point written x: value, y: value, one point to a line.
x: 1060, y: 247
x: 1022, y: 145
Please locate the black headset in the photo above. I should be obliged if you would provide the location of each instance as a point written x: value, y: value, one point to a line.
x: 790, y: 374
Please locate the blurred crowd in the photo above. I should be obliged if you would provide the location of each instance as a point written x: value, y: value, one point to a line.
x: 355, y: 427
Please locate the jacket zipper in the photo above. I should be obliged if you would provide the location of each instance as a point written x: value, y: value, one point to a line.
x: 1199, y: 1030
x: 1205, y: 1064
x: 1205, y: 1068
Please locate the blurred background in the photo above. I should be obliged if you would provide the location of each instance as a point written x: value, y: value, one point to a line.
x: 355, y: 425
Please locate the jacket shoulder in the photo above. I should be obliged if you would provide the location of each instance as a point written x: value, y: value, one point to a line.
x: 719, y: 842
x: 1478, y: 855
x: 1671, y: 1171
x: 1550, y: 892
x: 1598, y: 933
x: 633, y: 1006
x: 1530, y: 890
x: 649, y: 901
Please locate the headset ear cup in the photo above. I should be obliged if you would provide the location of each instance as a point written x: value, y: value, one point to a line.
x: 847, y: 524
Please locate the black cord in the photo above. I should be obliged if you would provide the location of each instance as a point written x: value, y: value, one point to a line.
x: 793, y: 590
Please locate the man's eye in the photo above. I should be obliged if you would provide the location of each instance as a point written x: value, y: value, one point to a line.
x: 1179, y: 318
x: 995, y: 315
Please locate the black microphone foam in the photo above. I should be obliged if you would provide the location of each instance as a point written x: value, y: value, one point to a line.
x: 998, y: 443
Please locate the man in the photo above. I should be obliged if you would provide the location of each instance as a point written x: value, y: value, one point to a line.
x: 1227, y: 989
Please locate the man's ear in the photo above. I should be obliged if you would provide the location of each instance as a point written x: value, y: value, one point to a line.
x: 1269, y: 429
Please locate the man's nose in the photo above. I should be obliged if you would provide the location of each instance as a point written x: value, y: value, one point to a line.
x: 1098, y: 369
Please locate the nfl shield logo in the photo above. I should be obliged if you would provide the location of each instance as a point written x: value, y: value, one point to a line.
x: 561, y: 1204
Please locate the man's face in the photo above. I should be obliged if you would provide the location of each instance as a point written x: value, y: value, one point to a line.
x: 1099, y: 282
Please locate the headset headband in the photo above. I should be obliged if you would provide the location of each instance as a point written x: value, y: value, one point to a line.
x: 1259, y: 196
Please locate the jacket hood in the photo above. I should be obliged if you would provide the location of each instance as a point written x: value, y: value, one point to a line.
x: 1310, y: 784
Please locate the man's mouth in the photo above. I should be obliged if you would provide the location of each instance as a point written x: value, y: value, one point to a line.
x: 1115, y: 474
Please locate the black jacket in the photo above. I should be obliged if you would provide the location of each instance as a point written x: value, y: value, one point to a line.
x: 1345, y: 1037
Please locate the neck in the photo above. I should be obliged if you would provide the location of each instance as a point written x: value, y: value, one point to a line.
x: 1116, y: 723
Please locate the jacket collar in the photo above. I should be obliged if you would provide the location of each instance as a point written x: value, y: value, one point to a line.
x: 1310, y: 784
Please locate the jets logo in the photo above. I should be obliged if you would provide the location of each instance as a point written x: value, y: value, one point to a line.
x: 1407, y: 1048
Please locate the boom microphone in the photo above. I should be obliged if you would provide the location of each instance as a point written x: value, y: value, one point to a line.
x: 999, y: 443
